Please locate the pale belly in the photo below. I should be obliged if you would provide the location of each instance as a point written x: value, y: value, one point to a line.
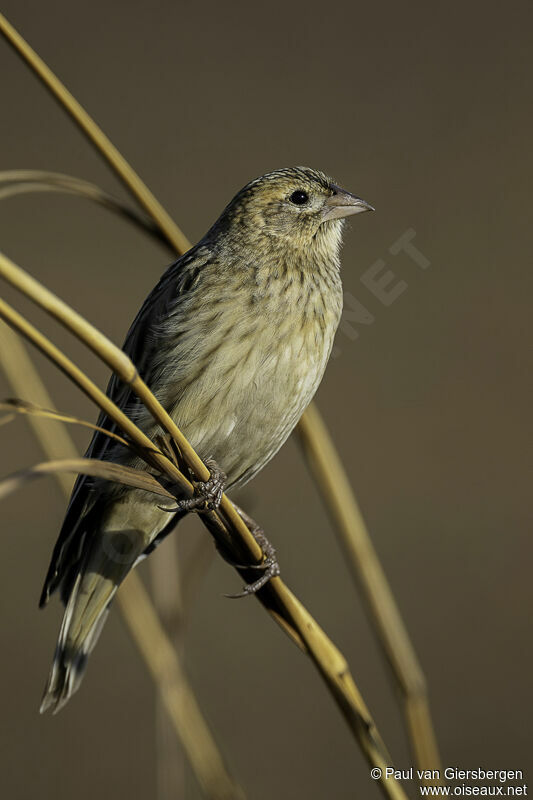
x: 242, y: 407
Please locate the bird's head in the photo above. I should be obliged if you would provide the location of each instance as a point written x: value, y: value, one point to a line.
x: 296, y: 207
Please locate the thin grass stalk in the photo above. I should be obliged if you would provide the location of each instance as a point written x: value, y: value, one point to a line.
x: 176, y: 694
x: 275, y: 596
x: 362, y: 559
x: 170, y: 678
x: 168, y: 602
x: 25, y: 381
x: 16, y: 407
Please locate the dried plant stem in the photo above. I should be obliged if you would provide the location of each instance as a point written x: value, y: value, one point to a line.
x: 167, y: 596
x: 176, y: 694
x: 171, y: 681
x: 25, y: 381
x: 366, y: 568
x: 275, y: 596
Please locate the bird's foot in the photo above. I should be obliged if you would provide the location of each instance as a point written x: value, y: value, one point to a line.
x: 207, y: 494
x: 270, y: 563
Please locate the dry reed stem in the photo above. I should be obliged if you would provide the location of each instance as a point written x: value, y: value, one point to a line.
x: 178, y: 696
x: 355, y: 540
x: 276, y: 597
x: 25, y: 381
x: 170, y: 678
x: 165, y: 579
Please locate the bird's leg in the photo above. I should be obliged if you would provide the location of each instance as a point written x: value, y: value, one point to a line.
x: 207, y: 494
x: 269, y: 564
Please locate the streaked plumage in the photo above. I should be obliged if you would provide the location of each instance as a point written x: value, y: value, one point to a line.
x: 233, y: 341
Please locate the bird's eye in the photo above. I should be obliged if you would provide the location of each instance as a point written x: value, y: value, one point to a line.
x: 299, y: 197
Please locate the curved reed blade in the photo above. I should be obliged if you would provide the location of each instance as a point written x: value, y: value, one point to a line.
x: 27, y: 181
x: 16, y: 407
x: 106, y: 470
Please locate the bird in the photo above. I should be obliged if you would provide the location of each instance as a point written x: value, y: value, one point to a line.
x: 233, y: 341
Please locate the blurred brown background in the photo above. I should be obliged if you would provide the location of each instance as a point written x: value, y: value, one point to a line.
x: 424, y: 110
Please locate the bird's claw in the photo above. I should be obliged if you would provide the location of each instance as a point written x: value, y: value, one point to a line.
x: 270, y: 563
x: 207, y: 494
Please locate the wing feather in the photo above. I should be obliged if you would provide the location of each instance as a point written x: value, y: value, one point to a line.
x: 139, y: 345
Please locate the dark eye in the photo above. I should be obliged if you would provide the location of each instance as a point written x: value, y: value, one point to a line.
x: 299, y: 197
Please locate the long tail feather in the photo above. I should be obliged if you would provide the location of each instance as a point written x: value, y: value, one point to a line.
x: 83, y: 621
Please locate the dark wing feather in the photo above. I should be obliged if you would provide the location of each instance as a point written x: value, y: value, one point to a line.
x: 83, y: 505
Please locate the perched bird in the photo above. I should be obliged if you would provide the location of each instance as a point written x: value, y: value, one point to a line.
x: 233, y: 341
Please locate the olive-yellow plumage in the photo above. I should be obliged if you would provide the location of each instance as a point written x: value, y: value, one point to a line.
x: 233, y: 341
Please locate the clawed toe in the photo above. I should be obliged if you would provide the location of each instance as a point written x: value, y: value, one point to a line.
x: 271, y: 571
x: 269, y: 564
x: 207, y: 494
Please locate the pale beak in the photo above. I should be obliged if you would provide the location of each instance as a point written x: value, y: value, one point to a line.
x: 343, y: 204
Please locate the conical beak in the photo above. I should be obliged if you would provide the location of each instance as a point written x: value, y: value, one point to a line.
x: 343, y: 204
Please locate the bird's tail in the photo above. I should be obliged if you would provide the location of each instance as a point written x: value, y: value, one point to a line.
x: 85, y: 614
x: 83, y: 620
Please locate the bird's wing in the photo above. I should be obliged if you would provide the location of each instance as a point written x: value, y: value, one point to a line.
x: 139, y: 345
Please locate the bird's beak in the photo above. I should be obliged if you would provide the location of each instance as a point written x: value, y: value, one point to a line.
x: 343, y: 204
